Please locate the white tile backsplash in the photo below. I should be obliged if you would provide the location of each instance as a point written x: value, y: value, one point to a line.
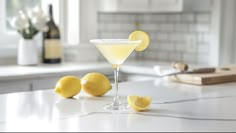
x: 188, y: 17
x: 203, y: 28
x: 106, y: 35
x: 203, y: 48
x: 120, y: 35
x: 190, y: 58
x: 101, y: 27
x: 202, y: 59
x: 127, y: 27
x: 206, y: 37
x: 121, y: 18
x: 166, y: 46
x: 180, y: 47
x: 105, y: 18
x: 161, y: 37
x: 176, y: 56
x: 176, y: 37
x: 158, y: 18
x: 203, y: 18
x: 162, y: 56
x: 181, y: 27
x: 168, y: 32
x: 174, y: 18
x: 166, y: 27
x: 113, y: 27
x: 148, y: 27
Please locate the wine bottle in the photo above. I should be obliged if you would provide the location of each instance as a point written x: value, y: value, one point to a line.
x: 51, y: 42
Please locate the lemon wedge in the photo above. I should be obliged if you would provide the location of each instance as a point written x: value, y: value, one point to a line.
x: 96, y: 84
x: 68, y: 86
x: 140, y: 35
x: 139, y: 103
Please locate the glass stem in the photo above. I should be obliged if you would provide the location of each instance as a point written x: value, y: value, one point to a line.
x: 116, y: 101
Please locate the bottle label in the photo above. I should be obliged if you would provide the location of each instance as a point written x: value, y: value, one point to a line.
x: 52, y: 48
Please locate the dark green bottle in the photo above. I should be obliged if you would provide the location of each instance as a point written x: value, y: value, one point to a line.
x: 52, y: 52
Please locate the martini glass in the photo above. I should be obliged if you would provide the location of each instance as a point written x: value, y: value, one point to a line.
x: 116, y: 51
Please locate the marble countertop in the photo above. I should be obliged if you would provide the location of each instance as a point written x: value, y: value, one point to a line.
x: 175, y: 107
x: 15, y: 72
x: 25, y: 72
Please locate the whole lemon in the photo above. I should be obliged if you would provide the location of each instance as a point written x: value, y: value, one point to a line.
x: 96, y: 84
x: 68, y: 86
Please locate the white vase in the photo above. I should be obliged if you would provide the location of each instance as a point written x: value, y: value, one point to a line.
x: 27, y: 52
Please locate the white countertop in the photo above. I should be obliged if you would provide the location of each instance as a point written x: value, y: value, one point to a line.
x: 24, y: 72
x: 15, y: 72
x: 175, y: 107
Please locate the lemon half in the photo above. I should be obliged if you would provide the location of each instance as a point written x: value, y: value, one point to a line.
x: 68, y: 86
x: 140, y: 35
x: 139, y: 103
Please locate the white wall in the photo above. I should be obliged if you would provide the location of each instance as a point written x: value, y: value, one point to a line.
x: 88, y: 20
x: 227, y: 32
x: 85, y: 51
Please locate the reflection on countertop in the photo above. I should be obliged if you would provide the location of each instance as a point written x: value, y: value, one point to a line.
x: 182, y: 106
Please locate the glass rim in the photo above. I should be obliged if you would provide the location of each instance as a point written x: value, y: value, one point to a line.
x: 115, y: 41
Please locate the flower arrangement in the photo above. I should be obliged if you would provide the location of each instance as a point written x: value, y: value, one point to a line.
x: 30, y: 23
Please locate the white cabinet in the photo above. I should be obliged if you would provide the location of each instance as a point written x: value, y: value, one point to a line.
x: 133, y: 5
x: 43, y: 84
x: 14, y: 86
x: 108, y: 5
x: 155, y: 5
x: 30, y: 84
x: 50, y: 81
x: 141, y: 5
x: 37, y: 83
x: 198, y: 5
x: 166, y: 5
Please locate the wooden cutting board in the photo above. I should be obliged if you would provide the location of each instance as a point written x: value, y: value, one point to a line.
x: 221, y: 75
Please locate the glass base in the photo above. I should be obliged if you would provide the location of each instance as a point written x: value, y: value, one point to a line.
x: 112, y: 107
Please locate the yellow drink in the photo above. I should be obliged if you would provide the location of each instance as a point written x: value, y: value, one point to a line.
x: 116, y: 51
x: 116, y: 54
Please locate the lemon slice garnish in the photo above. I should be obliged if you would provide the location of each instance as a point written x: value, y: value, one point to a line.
x: 140, y: 35
x: 139, y: 103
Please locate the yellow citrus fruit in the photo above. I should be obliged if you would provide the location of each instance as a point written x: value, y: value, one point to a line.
x: 140, y: 35
x: 96, y: 84
x: 139, y: 103
x: 68, y: 86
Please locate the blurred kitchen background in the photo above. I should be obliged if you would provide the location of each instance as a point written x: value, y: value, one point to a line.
x: 190, y: 31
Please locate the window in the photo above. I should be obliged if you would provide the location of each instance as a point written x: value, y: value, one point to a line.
x: 66, y: 15
x: 13, y: 6
x: 5, y: 36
